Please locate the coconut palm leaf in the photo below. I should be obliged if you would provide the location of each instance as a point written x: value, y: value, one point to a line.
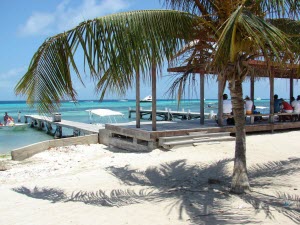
x: 111, y: 45
x: 249, y: 35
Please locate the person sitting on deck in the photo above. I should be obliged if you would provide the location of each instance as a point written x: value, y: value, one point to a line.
x: 227, y: 109
x: 248, y: 105
x: 285, y: 108
x: 277, y: 103
x: 296, y: 104
x: 227, y: 106
x: 256, y: 118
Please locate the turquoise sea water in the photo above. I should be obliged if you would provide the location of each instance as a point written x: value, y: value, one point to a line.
x: 10, y: 140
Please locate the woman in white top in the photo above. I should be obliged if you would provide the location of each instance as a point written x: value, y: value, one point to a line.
x: 248, y: 105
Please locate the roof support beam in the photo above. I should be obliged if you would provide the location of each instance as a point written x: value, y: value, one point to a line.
x: 221, y: 87
x: 202, y: 98
x: 291, y: 88
x: 137, y: 97
x: 271, y: 97
x: 252, y: 88
x: 153, y: 71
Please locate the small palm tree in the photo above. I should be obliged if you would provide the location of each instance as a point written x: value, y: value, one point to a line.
x: 222, y: 35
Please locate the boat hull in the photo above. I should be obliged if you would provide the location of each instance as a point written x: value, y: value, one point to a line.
x: 16, y: 127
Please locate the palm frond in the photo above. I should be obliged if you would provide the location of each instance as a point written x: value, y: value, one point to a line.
x: 249, y: 35
x: 280, y: 8
x: 111, y: 45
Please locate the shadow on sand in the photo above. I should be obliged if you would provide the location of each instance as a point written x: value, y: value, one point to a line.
x: 202, y: 191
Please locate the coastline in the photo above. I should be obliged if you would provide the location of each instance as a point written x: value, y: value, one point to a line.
x: 76, y: 112
x: 91, y: 184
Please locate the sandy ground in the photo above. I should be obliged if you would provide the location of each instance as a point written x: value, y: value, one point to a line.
x: 186, y: 185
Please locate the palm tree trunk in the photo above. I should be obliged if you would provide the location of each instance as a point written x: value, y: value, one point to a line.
x: 240, y: 182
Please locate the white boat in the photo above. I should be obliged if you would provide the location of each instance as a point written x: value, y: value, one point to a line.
x: 15, y: 127
x: 123, y: 100
x: 147, y: 99
x: 104, y: 116
x: 258, y: 98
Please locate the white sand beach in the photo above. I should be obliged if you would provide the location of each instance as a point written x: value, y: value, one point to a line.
x: 186, y: 185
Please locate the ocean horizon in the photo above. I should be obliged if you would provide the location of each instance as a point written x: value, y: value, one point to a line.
x: 10, y: 140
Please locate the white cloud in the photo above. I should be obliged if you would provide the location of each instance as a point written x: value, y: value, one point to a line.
x: 65, y: 16
x: 12, y: 73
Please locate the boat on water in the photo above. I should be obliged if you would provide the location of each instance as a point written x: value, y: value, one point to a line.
x: 14, y: 127
x: 123, y: 100
x: 147, y: 99
x: 102, y: 116
x: 258, y: 98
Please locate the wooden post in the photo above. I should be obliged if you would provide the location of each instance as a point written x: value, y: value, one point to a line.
x: 221, y: 87
x: 153, y: 73
x: 252, y: 88
x: 271, y: 97
x: 202, y: 98
x: 291, y: 88
x: 137, y: 97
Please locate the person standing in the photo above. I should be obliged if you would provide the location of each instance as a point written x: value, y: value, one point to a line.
x: 5, y: 118
x: 19, y: 117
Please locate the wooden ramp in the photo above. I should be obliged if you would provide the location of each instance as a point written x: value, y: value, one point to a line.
x: 194, y: 138
x: 83, y: 127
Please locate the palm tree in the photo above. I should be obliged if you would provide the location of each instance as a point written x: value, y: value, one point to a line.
x: 236, y: 32
x: 222, y: 35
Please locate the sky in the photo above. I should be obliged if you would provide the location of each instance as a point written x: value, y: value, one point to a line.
x: 27, y: 24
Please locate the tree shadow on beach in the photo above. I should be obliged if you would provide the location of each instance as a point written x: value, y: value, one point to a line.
x: 201, y: 191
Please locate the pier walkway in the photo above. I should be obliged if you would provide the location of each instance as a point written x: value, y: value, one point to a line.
x: 77, y: 127
x: 169, y: 115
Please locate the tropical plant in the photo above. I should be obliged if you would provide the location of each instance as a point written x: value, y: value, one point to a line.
x: 233, y: 33
x: 219, y: 35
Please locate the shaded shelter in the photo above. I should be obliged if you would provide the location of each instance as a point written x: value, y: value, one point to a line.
x: 258, y: 70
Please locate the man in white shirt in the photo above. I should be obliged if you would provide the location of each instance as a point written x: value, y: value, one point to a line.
x: 227, y: 106
x: 296, y: 104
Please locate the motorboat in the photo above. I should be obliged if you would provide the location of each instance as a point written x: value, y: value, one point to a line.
x: 14, y: 127
x: 103, y: 116
x: 258, y: 98
x: 147, y: 99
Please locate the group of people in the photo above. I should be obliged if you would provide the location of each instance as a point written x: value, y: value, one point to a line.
x: 227, y: 105
x: 280, y: 105
x: 8, y: 120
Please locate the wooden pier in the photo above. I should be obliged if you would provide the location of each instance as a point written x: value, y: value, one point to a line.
x: 168, y: 115
x: 44, y: 122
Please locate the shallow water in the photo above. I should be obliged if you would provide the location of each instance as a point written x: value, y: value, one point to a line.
x: 10, y: 140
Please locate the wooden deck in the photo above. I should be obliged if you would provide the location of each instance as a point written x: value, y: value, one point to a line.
x: 145, y: 139
x: 127, y: 136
